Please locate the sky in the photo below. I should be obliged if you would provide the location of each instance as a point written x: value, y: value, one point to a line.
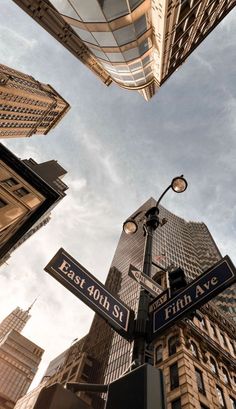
x: 118, y: 150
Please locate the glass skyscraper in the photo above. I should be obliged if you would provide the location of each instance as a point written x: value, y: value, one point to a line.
x: 177, y: 243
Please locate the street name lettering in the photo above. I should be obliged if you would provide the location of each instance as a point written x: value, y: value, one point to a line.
x: 164, y: 313
x: 181, y: 303
x: 145, y: 281
x: 92, y: 292
x: 162, y: 299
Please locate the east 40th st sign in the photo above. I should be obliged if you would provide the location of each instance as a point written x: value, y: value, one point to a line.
x: 72, y: 275
x: 197, y: 293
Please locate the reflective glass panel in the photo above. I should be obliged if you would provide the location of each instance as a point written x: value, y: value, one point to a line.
x: 85, y: 35
x: 89, y: 10
x: 105, y: 38
x: 131, y: 54
x: 98, y: 53
x: 140, y: 25
x: 143, y: 47
x: 125, y: 34
x: 134, y: 3
x: 64, y: 8
x: 115, y: 57
x: 135, y: 66
x: 113, y: 8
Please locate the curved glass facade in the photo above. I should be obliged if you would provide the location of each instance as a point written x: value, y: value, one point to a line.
x: 117, y: 32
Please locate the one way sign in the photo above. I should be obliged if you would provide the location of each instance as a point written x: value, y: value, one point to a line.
x: 145, y: 281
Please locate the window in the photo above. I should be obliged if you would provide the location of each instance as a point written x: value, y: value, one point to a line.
x: 220, y: 396
x: 21, y: 192
x: 233, y: 402
x: 172, y: 345
x: 213, y: 366
x: 233, y: 347
x: 203, y: 324
x: 225, y: 376
x: 176, y: 404
x: 2, y: 203
x: 125, y: 34
x: 194, y: 350
x: 10, y: 182
x: 174, y: 376
x: 159, y: 354
x: 113, y: 9
x: 223, y: 339
x: 214, y: 331
x: 200, y: 383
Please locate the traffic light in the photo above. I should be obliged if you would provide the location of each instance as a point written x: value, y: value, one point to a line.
x: 57, y: 397
x: 141, y: 388
x: 177, y: 280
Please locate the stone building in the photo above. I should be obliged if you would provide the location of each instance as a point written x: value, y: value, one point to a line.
x: 27, y: 106
x: 28, y: 193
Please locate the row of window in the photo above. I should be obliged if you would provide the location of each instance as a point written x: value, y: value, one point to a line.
x: 172, y: 347
x: 114, y: 38
x: 99, y: 11
x: 174, y: 383
x: 20, y: 192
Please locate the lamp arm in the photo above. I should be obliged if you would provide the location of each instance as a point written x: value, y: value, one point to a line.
x: 158, y: 202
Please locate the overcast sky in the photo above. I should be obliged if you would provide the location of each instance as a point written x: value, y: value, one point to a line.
x: 118, y: 151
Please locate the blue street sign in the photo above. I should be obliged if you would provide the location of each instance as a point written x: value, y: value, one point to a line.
x: 197, y: 293
x: 85, y: 286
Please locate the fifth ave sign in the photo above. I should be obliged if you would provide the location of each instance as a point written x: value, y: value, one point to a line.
x: 197, y: 293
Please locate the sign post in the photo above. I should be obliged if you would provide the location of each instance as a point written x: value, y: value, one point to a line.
x: 193, y: 296
x: 91, y: 291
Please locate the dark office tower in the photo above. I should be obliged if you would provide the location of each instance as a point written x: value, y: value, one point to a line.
x: 177, y: 243
x: 28, y: 193
x: 27, y: 106
x: 136, y: 44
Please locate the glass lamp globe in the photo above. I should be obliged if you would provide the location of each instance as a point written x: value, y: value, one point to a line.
x: 179, y: 184
x: 130, y: 227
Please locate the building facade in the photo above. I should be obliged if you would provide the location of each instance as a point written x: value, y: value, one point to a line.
x: 177, y: 243
x: 15, y: 320
x: 28, y: 193
x: 19, y: 361
x: 27, y: 106
x: 198, y: 356
x: 136, y: 44
x: 19, y: 358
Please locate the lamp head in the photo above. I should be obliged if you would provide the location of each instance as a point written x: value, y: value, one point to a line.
x: 179, y: 184
x: 130, y: 226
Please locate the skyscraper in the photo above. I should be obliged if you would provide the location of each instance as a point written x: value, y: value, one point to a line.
x: 28, y: 193
x: 136, y: 44
x: 19, y: 358
x: 15, y: 320
x: 197, y: 357
x: 27, y: 106
x: 177, y: 243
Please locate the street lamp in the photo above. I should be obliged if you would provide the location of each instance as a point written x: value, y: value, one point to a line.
x: 130, y: 226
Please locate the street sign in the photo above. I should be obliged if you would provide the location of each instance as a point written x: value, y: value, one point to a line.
x: 145, y: 281
x: 92, y: 292
x: 159, y: 301
x: 197, y: 293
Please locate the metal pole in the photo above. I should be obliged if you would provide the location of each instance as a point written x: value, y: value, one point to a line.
x: 151, y: 224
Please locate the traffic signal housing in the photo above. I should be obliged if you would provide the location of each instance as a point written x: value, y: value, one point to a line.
x: 177, y: 281
x: 57, y: 397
